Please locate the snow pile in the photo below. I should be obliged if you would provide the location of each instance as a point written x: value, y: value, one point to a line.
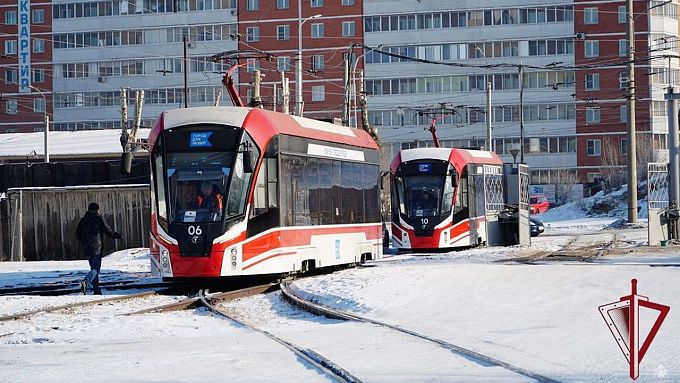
x: 613, y: 205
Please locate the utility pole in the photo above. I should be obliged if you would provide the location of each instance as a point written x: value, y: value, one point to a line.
x: 274, y: 97
x: 219, y: 98
x: 285, y: 94
x: 632, y: 146
x: 521, y: 114
x: 673, y: 143
x: 124, y: 119
x: 186, y: 72
x: 489, y: 117
x: 257, y: 99
x: 345, y: 81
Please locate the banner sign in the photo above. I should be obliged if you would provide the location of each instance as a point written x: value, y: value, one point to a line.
x: 24, y: 46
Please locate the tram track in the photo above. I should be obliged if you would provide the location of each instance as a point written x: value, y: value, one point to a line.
x: 578, y: 248
x: 51, y: 289
x: 210, y: 301
x: 294, y: 297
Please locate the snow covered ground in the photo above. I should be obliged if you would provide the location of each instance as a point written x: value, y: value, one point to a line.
x: 541, y: 317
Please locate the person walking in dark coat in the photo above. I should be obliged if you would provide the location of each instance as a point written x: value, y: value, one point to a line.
x: 90, y: 233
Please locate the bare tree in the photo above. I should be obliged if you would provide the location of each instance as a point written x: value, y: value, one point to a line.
x: 565, y: 185
x: 386, y: 156
x: 613, y: 163
x: 646, y: 153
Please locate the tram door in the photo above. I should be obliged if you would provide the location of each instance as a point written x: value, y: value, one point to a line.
x: 476, y: 202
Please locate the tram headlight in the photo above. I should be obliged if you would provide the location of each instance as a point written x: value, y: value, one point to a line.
x: 165, y: 259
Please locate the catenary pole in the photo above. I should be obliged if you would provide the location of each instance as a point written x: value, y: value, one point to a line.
x: 632, y: 146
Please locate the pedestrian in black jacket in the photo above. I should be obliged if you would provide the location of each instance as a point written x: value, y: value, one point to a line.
x: 90, y: 233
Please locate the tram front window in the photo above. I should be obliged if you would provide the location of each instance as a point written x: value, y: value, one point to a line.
x: 198, y: 183
x: 423, y: 195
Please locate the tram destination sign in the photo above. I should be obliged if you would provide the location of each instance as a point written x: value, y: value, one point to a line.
x: 24, y: 46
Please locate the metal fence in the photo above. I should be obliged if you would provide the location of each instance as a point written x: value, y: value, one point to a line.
x: 41, y: 222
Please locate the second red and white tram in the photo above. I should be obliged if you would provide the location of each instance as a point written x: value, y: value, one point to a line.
x: 241, y: 191
x: 438, y: 197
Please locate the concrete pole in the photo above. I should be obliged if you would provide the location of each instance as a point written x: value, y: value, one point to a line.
x: 47, y: 134
x: 274, y: 97
x: 285, y: 94
x: 257, y: 99
x: 298, y: 65
x: 632, y: 146
x: 345, y: 81
x: 673, y: 143
x: 521, y: 114
x: 489, y: 118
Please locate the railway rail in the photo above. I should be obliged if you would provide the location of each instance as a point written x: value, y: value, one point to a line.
x: 68, y: 306
x: 70, y: 287
x: 579, y: 247
x: 295, y: 298
x: 209, y: 301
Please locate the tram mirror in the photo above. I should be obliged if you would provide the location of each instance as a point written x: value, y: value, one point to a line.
x: 454, y: 178
x: 248, y: 161
x: 126, y: 163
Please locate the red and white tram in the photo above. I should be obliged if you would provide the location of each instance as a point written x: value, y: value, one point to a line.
x: 438, y: 197
x: 245, y: 191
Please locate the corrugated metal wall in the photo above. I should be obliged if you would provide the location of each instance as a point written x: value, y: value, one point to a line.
x: 42, y: 221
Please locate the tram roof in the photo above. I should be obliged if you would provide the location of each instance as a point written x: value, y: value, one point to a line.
x: 445, y: 154
x: 457, y: 156
x: 268, y: 123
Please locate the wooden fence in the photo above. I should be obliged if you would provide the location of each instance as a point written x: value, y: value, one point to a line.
x: 40, y: 223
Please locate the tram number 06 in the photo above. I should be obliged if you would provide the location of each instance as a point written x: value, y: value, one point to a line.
x: 195, y: 230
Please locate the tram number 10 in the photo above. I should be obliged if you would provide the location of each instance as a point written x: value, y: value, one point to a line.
x: 424, y: 221
x: 195, y: 230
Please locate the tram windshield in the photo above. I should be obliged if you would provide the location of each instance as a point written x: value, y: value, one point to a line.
x: 197, y: 183
x: 422, y: 195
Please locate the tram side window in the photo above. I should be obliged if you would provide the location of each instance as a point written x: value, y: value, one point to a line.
x: 447, y: 199
x: 240, y: 180
x: 324, y: 192
x: 159, y: 185
x: 266, y: 196
x: 462, y: 195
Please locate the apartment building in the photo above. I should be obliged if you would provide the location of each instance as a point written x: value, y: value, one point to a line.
x: 83, y: 52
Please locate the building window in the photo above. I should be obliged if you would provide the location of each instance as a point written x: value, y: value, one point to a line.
x: 39, y: 105
x: 38, y: 16
x: 622, y: 14
x: 283, y: 63
x: 38, y: 75
x: 624, y: 146
x: 283, y: 32
x: 316, y: 3
x: 317, y: 30
x: 318, y: 93
x: 318, y: 62
x: 252, y: 65
x: 347, y: 2
x: 623, y: 80
x: 10, y: 17
x: 12, y: 106
x: 252, y: 34
x: 623, y: 48
x: 38, y: 46
x: 593, y: 81
x: 592, y: 48
x: 593, y: 115
x: 11, y: 77
x: 282, y: 4
x: 10, y: 47
x: 348, y: 28
x: 594, y: 148
x: 253, y: 5
x: 590, y: 15
x: 623, y: 113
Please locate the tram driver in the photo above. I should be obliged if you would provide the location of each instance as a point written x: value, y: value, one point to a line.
x: 209, y: 197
